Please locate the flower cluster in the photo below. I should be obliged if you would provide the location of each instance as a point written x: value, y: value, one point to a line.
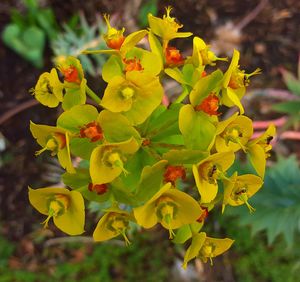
x: 136, y: 153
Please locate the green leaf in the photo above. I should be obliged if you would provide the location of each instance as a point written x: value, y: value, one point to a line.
x: 291, y: 107
x: 150, y: 182
x: 277, y: 204
x: 112, y: 67
x: 78, y: 179
x: 292, y: 83
x: 176, y: 157
x: 146, y: 8
x: 198, y: 132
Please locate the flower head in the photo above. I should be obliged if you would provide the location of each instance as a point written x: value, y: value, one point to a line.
x: 209, y: 105
x: 166, y: 27
x: 238, y: 189
x: 170, y: 207
x: 208, y: 171
x: 173, y: 57
x: 233, y: 133
x: 259, y: 150
x: 48, y: 90
x: 113, y: 223
x: 206, y: 248
x: 114, y: 38
x: 64, y: 206
x: 55, y: 140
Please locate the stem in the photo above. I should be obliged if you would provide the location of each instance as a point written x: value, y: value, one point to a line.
x: 93, y: 95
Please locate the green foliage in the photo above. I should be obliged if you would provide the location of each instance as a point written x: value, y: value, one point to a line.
x: 255, y: 261
x: 278, y: 203
x: 146, y: 8
x: 292, y: 108
x: 71, y: 42
x: 26, y: 34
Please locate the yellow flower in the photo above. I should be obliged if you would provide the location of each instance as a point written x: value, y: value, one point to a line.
x: 235, y: 82
x: 259, y: 148
x: 136, y: 95
x: 233, y: 133
x: 114, y: 38
x: 114, y: 223
x: 170, y: 207
x: 208, y: 171
x: 107, y: 161
x: 238, y: 189
x: 64, y: 206
x: 55, y: 140
x: 167, y: 27
x: 48, y: 90
x: 202, y: 55
x: 206, y: 248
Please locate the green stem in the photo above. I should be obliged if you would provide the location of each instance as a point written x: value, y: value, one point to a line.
x: 93, y: 95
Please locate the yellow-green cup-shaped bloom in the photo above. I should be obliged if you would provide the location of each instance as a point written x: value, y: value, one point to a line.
x: 56, y: 140
x: 112, y: 224
x: 170, y: 207
x: 136, y: 95
x: 239, y: 189
x: 206, y: 248
x: 202, y: 55
x: 108, y: 160
x: 233, y: 133
x: 49, y: 90
x: 259, y: 148
x: 208, y: 171
x: 64, y: 206
x: 166, y: 27
x: 235, y: 82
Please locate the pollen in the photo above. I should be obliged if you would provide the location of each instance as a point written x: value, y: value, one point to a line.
x: 172, y: 173
x: 133, y: 65
x: 71, y: 74
x: 173, y: 57
x: 92, y: 131
x: 209, y: 105
x: 100, y: 189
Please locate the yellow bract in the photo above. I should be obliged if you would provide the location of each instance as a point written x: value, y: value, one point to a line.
x: 206, y: 248
x: 49, y: 90
x: 170, y: 207
x: 208, y: 171
x: 238, y: 189
x: 66, y: 207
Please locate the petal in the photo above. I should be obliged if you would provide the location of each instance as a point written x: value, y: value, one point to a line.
x: 72, y: 221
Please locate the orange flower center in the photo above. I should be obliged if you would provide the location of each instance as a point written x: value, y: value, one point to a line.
x: 209, y: 105
x: 98, y: 188
x: 133, y: 65
x: 172, y: 173
x: 61, y: 139
x: 92, y: 131
x: 116, y: 42
x: 173, y: 56
x: 71, y: 74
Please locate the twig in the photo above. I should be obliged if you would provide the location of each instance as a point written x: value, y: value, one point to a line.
x: 79, y: 239
x: 17, y: 109
x: 264, y: 124
x: 252, y: 15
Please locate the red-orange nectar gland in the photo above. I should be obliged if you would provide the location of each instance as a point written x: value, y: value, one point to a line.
x: 203, y: 215
x: 92, y: 131
x: 172, y: 173
x: 173, y: 57
x: 71, y: 74
x: 209, y: 105
x: 115, y: 43
x: 133, y: 64
x: 100, y: 189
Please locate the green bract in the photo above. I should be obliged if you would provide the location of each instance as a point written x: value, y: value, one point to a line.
x: 145, y: 161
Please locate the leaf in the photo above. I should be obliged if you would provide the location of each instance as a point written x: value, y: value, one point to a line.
x: 277, y: 204
x: 291, y: 107
x: 292, y: 83
x: 176, y: 157
x: 146, y: 8
x: 198, y: 132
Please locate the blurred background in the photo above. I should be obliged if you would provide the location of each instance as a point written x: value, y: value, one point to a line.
x: 34, y: 34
